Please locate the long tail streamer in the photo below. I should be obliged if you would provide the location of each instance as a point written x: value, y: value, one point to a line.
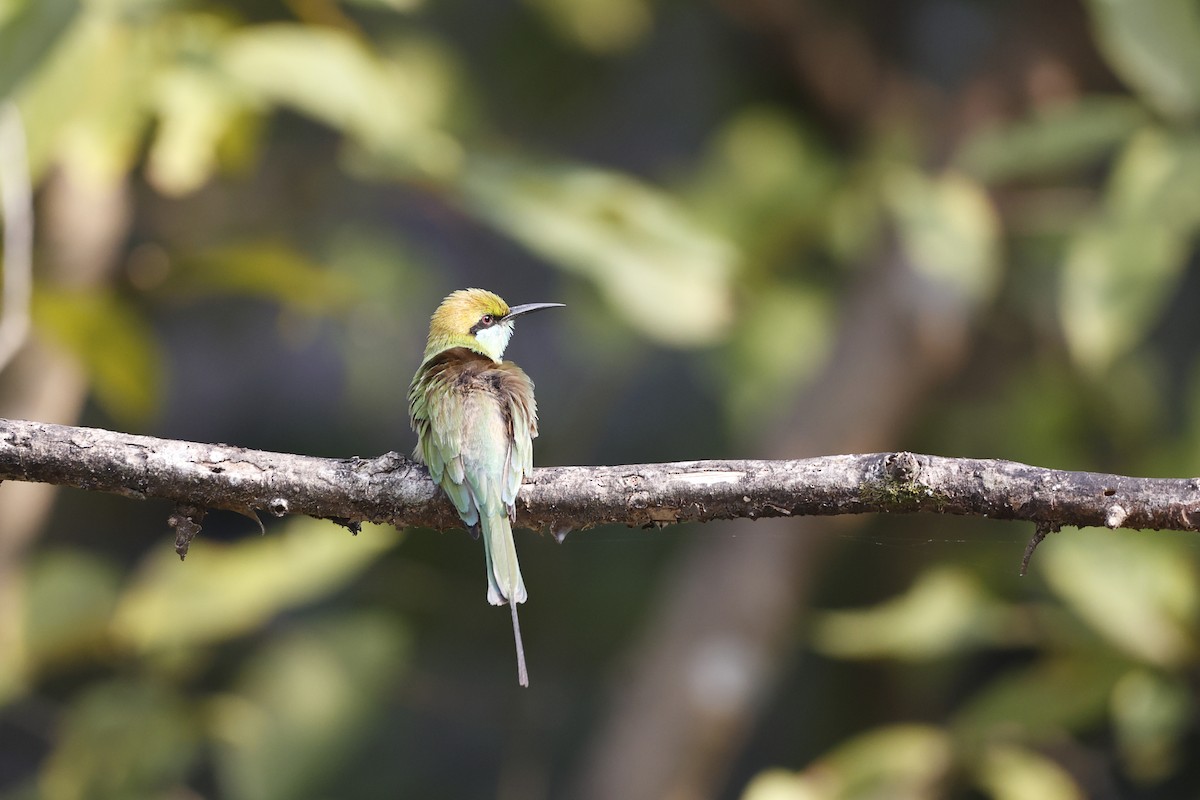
x: 522, y: 674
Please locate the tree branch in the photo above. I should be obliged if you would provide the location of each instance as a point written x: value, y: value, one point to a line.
x: 394, y: 490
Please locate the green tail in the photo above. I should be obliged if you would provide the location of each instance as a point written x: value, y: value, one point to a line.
x: 505, y: 585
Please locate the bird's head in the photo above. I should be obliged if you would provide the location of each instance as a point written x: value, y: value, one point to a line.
x: 476, y: 319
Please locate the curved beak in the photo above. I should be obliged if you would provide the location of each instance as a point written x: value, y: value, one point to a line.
x: 517, y: 311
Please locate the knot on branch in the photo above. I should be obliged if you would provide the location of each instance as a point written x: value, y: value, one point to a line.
x: 387, y: 463
x: 897, y: 487
x: 901, y: 467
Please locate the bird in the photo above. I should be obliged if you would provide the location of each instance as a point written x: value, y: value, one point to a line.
x: 476, y: 418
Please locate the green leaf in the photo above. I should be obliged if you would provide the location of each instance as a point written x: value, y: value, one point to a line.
x: 393, y: 5
x: 669, y: 277
x: 1151, y: 715
x: 1139, y: 593
x: 392, y: 107
x: 759, y: 376
x: 116, y: 345
x: 1120, y: 270
x: 1154, y: 45
x: 949, y: 230
x: 197, y: 105
x: 945, y: 612
x: 767, y: 183
x: 121, y: 739
x: 1039, y: 702
x: 304, y: 704
x: 69, y: 600
x: 195, y: 113
x: 1055, y: 140
x: 271, y: 270
x: 88, y: 103
x: 227, y: 590
x: 600, y: 26
x: 1008, y: 772
x: 903, y: 762
x: 28, y: 29
x: 1115, y: 282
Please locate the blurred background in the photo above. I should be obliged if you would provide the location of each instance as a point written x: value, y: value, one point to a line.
x: 782, y: 228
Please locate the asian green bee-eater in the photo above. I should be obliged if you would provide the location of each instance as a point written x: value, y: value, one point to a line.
x: 476, y: 420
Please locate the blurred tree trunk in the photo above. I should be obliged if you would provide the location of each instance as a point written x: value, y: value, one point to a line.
x: 83, y: 224
x: 713, y: 650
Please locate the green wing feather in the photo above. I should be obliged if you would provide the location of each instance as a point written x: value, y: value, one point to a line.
x: 475, y: 422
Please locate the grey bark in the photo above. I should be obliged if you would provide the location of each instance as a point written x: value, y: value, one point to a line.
x: 392, y: 489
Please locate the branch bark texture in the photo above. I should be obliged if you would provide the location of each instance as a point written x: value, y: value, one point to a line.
x: 392, y: 489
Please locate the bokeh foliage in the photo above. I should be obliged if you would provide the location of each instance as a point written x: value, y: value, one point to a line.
x: 304, y: 180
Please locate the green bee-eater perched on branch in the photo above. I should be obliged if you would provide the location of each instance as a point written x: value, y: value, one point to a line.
x: 476, y: 420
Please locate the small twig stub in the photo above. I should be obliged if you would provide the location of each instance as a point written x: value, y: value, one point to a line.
x: 1043, y: 530
x: 186, y: 521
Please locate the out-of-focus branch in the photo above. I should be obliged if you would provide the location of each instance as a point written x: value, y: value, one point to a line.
x: 16, y: 207
x: 828, y: 56
x: 82, y: 224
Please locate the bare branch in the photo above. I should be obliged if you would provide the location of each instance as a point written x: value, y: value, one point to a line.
x: 392, y: 489
x: 16, y: 208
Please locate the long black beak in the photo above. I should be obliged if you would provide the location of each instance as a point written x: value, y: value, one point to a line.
x: 517, y: 311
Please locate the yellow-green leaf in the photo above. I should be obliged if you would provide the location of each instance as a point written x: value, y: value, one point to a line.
x: 271, y: 270
x: 668, y: 276
x: 1042, y: 701
x: 1057, y: 139
x: 69, y: 599
x: 601, y: 26
x: 303, y: 705
x: 1138, y: 592
x: 945, y: 612
x: 949, y: 230
x: 767, y: 183
x: 116, y: 345
x: 27, y: 30
x: 120, y: 739
x: 196, y: 105
x: 1009, y: 772
x: 392, y: 106
x: 225, y: 590
x: 902, y: 762
x: 1154, y: 45
x: 1151, y: 714
x: 761, y: 377
x: 1120, y: 269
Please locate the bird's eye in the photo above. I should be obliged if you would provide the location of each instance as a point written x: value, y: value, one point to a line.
x: 487, y: 320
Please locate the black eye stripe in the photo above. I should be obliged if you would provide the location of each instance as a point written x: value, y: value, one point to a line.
x: 486, y: 321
